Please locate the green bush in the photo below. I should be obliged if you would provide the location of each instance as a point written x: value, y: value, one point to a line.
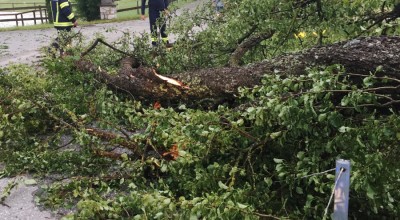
x: 88, y: 9
x: 49, y: 14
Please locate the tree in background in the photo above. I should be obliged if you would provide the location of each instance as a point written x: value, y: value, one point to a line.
x: 48, y: 7
x: 89, y: 9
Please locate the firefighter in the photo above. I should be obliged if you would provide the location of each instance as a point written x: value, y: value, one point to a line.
x: 156, y: 7
x: 63, y: 20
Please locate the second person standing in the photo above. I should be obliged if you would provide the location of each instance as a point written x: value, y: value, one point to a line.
x: 156, y: 8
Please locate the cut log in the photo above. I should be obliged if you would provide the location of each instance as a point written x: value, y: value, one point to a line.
x: 358, y: 56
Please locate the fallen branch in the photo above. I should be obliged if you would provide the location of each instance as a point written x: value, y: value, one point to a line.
x: 248, y: 44
x: 114, y: 138
x: 99, y: 40
x: 359, y: 57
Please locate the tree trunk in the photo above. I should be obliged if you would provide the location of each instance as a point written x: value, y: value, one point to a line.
x: 358, y: 56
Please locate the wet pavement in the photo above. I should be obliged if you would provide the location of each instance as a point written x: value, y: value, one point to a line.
x: 20, y: 205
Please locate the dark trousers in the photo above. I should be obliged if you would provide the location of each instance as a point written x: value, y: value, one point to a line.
x: 57, y: 42
x: 154, y: 16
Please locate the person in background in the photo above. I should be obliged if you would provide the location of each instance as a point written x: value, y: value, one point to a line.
x: 63, y: 19
x: 156, y: 7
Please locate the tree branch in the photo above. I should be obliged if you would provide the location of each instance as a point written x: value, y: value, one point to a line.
x: 248, y: 44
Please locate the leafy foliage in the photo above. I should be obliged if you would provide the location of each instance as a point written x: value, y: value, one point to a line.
x: 320, y: 22
x: 251, y: 161
x: 48, y: 7
x: 89, y: 9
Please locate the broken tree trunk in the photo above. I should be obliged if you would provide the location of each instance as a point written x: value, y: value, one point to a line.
x: 358, y: 56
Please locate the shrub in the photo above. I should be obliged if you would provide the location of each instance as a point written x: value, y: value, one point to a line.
x: 89, y: 9
x: 49, y: 14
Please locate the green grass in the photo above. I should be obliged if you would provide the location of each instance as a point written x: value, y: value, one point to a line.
x: 135, y: 14
x: 20, y: 3
x: 128, y: 3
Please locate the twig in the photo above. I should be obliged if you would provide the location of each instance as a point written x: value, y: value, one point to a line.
x: 64, y: 145
x: 99, y: 40
x: 248, y: 44
x: 266, y: 216
x: 388, y: 17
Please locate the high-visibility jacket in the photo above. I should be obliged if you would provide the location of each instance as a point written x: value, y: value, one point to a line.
x: 62, y: 13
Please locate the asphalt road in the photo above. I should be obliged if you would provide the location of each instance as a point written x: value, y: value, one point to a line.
x: 20, y: 205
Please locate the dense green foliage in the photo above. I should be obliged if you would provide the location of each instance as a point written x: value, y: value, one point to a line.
x: 336, y: 20
x: 88, y: 9
x: 49, y: 14
x: 242, y: 162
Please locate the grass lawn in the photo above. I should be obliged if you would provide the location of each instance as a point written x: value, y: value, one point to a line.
x: 135, y: 14
x: 20, y: 3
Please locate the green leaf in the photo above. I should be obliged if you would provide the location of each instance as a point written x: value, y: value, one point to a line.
x: 360, y: 142
x: 275, y: 135
x: 344, y: 129
x: 299, y: 190
x: 321, y: 117
x: 370, y: 192
x: 300, y: 154
x: 75, y: 193
x: 250, y: 109
x: 222, y: 186
x: 268, y: 181
x: 390, y: 197
x: 124, y: 156
x: 276, y: 160
x: 30, y: 182
x: 167, y: 201
x: 242, y: 206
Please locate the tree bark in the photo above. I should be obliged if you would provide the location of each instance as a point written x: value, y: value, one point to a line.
x: 246, y: 45
x: 358, y: 56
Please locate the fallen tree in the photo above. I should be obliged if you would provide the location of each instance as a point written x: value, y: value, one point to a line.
x: 267, y: 157
x: 359, y: 57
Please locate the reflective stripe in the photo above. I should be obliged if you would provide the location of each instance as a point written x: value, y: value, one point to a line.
x: 165, y: 39
x: 63, y: 5
x: 63, y: 24
x: 153, y: 39
x: 71, y: 16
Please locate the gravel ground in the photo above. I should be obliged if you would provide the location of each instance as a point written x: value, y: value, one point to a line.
x: 24, y: 47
